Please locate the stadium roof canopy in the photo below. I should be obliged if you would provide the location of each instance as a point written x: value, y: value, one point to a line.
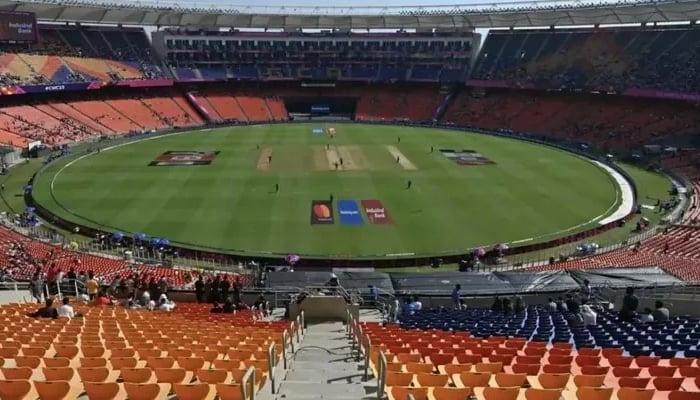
x: 494, y: 15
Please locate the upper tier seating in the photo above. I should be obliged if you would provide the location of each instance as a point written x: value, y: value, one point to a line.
x: 664, y: 58
x: 440, y: 57
x: 67, y: 54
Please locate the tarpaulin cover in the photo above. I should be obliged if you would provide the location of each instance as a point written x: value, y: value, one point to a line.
x: 348, y: 280
x: 546, y: 281
x: 626, y: 277
x: 479, y: 283
x: 444, y: 282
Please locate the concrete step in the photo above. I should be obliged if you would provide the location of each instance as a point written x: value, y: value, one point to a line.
x: 293, y: 390
x: 323, y: 366
x: 328, y: 376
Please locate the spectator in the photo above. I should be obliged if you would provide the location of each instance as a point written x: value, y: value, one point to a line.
x: 589, y: 316
x: 334, y: 282
x: 207, y: 290
x: 92, y: 286
x: 66, y: 310
x: 47, y: 311
x: 215, y: 290
x: 163, y: 286
x: 572, y: 304
x: 456, y: 302
x: 586, y: 290
x: 374, y: 294
x: 629, y: 306
x: 552, y: 305
x: 225, y: 287
x: 199, y: 289
x: 165, y: 304
x: 660, y: 313
x: 229, y: 307
x: 561, y: 305
x: 507, y: 306
x: 237, y: 291
x: 518, y: 306
x: 102, y: 299
x: 36, y: 287
x: 645, y: 316
x: 417, y: 304
x: 497, y: 305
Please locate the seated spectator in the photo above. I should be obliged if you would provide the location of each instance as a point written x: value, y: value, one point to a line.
x: 47, y: 311
x: 228, y: 307
x: 646, y: 316
x: 165, y: 305
x: 589, y: 316
x: 145, y: 300
x: 131, y: 304
x: 217, y: 309
x: 66, y: 310
x: 417, y: 304
x: 102, y: 299
x: 552, y: 305
x: 660, y: 313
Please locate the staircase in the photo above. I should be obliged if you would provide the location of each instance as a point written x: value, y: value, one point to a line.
x: 324, y: 367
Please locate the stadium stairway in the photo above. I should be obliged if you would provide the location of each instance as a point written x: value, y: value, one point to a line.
x: 324, y: 367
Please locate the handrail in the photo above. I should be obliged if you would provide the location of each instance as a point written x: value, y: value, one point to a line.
x: 297, y: 327
x: 285, y: 340
x: 248, y: 378
x: 381, y: 378
x: 272, y: 362
x: 368, y: 348
x: 302, y: 323
x: 290, y: 335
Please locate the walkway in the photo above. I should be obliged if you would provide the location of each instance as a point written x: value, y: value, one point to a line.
x: 324, y: 368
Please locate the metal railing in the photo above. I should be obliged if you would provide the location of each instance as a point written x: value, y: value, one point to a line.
x: 272, y: 363
x: 381, y: 375
x: 248, y: 385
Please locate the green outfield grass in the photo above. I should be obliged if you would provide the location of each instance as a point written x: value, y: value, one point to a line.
x: 531, y: 191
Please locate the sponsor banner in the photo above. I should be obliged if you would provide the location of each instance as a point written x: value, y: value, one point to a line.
x: 17, y: 26
x: 317, y: 131
x: 376, y: 213
x: 321, y: 212
x: 349, y: 212
x: 146, y: 83
x: 65, y: 87
x: 465, y: 157
x: 184, y: 158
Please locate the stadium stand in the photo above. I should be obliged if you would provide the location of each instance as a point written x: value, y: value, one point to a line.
x: 598, y: 59
x: 440, y: 57
x: 70, y: 53
x: 607, y: 122
x: 537, y: 354
x: 112, y: 352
